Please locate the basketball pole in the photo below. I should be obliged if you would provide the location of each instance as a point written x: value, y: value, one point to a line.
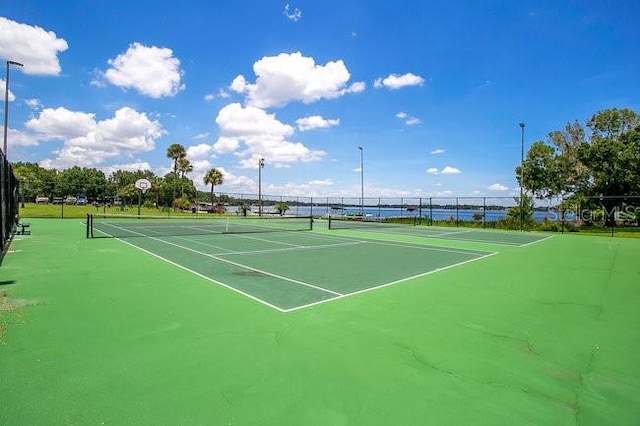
x: 139, y: 200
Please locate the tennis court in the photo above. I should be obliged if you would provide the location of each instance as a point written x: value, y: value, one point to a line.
x: 263, y: 259
x: 408, y: 227
x: 97, y: 331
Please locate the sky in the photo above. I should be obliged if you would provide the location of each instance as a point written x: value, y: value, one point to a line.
x: 433, y: 92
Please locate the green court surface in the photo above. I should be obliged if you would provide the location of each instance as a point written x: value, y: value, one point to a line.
x: 182, y: 330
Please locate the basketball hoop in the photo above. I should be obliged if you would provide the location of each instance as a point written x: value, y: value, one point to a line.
x: 143, y: 185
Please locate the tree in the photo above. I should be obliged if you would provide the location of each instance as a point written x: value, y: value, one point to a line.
x: 184, y: 166
x: 540, y: 171
x: 281, y: 208
x: 213, y: 177
x: 522, y: 211
x: 176, y: 152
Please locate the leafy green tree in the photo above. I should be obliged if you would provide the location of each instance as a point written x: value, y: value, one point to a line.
x: 540, y: 171
x: 612, y: 158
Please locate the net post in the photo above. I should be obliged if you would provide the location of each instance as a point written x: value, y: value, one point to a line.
x: 310, y: 223
x: 88, y: 227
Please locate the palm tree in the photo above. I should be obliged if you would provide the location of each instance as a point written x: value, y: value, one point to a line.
x: 184, y: 166
x: 213, y: 177
x: 281, y: 208
x: 176, y: 152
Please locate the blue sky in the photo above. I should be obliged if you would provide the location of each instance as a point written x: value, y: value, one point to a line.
x: 432, y: 91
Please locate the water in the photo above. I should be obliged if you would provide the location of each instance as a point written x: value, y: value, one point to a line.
x: 436, y: 214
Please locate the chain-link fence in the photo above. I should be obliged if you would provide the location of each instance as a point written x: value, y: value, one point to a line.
x: 612, y: 215
x: 8, y: 203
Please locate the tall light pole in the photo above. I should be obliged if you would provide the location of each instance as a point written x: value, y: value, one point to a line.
x: 521, y: 176
x: 260, y: 167
x: 361, y: 181
x: 6, y: 104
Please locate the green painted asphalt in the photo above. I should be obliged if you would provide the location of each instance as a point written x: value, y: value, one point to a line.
x: 99, y: 332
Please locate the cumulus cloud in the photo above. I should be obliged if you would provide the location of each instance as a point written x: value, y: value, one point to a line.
x: 16, y: 137
x: 198, y: 152
x: 3, y: 87
x: 408, y: 120
x: 251, y: 134
x: 448, y: 170
x: 292, y: 77
x: 396, y: 81
x: 315, y: 122
x: 33, y: 103
x: 151, y: 71
x: 34, y: 47
x: 88, y: 142
x: 437, y: 151
x: 498, y: 187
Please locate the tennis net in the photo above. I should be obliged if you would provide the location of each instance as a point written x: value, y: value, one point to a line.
x: 358, y: 222
x: 125, y: 226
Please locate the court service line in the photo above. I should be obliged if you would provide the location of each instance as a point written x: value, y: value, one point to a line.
x: 365, y: 290
x: 296, y: 248
x: 536, y: 241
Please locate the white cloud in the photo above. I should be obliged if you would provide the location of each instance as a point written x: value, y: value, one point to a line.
x: 87, y: 142
x: 357, y: 170
x: 450, y: 171
x: 315, y: 122
x: 251, y: 134
x: 3, y: 88
x: 34, y: 47
x: 498, y: 187
x: 396, y: 81
x: 16, y: 137
x: 293, y: 15
x: 33, y: 103
x: 201, y: 135
x: 292, y: 77
x: 437, y: 151
x: 152, y: 71
x: 198, y: 152
x: 221, y: 94
x: 408, y: 120
x: 324, y: 182
x: 357, y: 87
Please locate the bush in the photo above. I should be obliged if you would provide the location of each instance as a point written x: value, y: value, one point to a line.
x: 182, y: 203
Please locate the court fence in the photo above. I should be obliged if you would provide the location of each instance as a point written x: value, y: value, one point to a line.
x: 8, y: 204
x: 614, y: 215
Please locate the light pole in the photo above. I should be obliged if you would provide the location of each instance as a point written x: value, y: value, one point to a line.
x: 361, y: 182
x: 6, y: 104
x: 260, y: 167
x: 521, y: 176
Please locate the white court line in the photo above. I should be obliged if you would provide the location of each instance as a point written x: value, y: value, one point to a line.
x: 391, y: 283
x: 537, y: 241
x: 297, y: 248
